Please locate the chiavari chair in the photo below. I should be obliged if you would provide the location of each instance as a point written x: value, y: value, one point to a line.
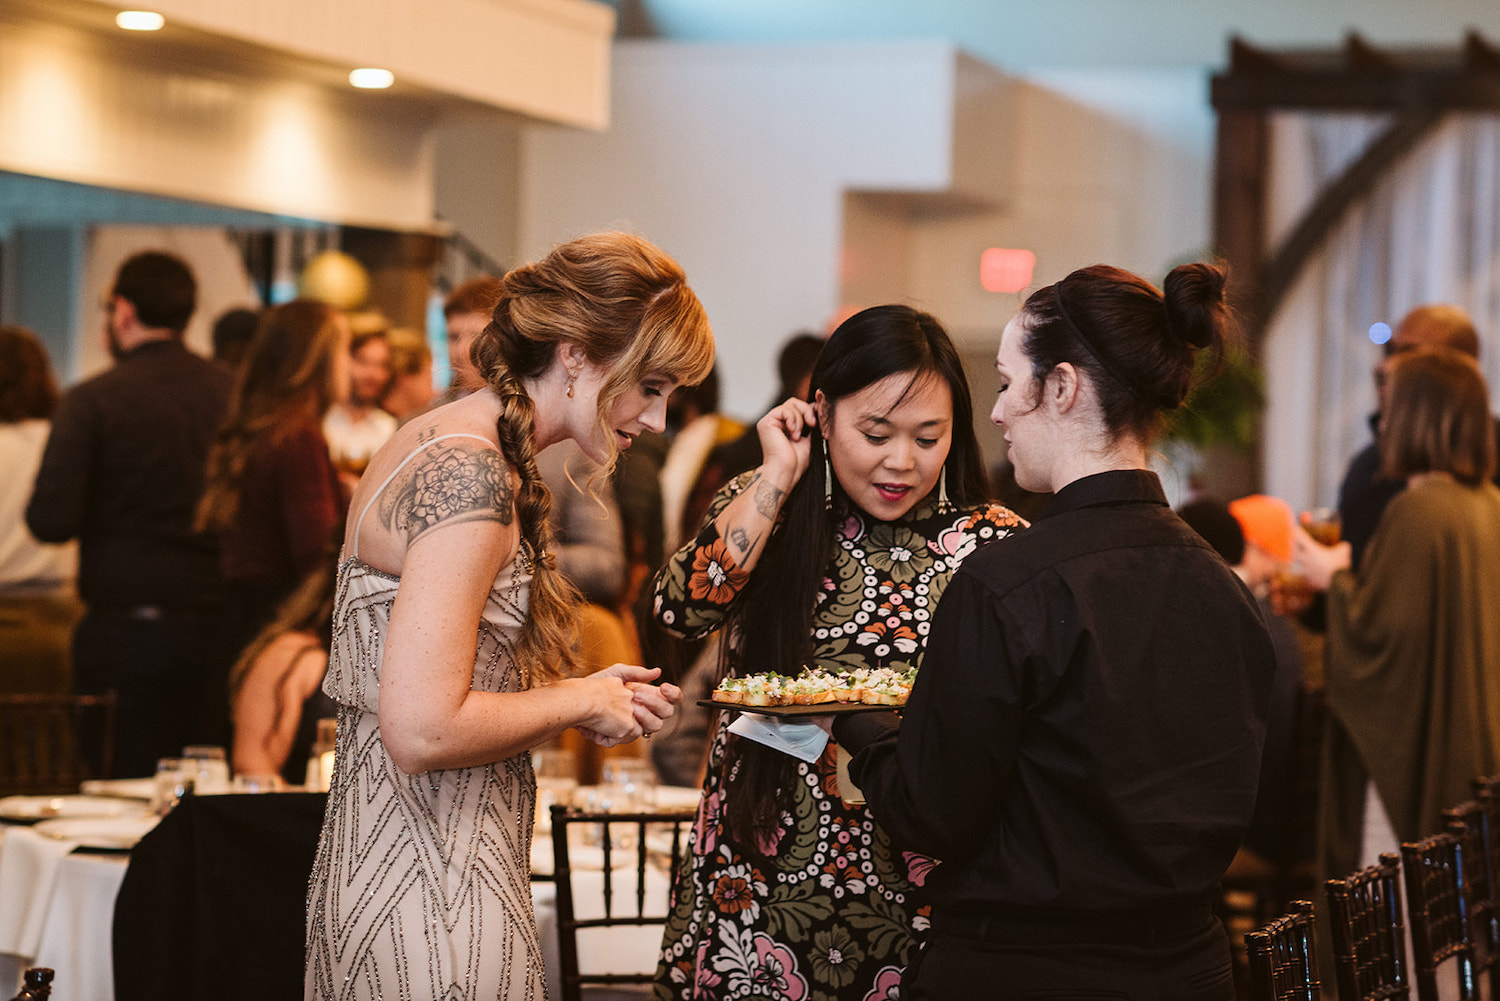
x: 1368, y: 933
x: 1477, y: 826
x: 637, y: 841
x: 1283, y: 958
x: 1438, y: 913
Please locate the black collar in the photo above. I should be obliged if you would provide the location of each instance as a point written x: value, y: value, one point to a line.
x: 1117, y: 486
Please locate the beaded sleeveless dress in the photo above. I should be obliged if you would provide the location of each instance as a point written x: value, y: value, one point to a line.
x: 422, y: 883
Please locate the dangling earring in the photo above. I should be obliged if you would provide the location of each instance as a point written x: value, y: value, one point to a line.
x: 944, y: 504
x: 827, y: 479
x: 570, y: 389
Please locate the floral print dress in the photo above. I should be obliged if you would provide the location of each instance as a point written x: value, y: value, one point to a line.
x: 835, y: 915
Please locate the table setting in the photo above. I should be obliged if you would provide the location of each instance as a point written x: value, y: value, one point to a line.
x: 192, y: 858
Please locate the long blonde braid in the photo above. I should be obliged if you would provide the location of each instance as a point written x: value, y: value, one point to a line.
x: 548, y: 639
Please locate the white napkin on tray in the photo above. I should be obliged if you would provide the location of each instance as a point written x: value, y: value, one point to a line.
x: 28, y: 870
x: 801, y: 740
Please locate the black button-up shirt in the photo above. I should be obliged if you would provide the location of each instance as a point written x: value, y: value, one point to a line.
x: 1085, y: 731
x: 122, y: 473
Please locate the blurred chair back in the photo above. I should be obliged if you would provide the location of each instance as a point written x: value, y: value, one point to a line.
x: 51, y: 743
x: 36, y: 985
x: 1477, y: 827
x: 1283, y: 958
x: 1438, y: 913
x: 1368, y: 934
x: 630, y: 844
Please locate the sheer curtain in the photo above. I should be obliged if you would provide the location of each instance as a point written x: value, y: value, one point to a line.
x: 1429, y: 231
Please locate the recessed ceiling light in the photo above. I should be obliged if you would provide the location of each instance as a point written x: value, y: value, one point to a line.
x: 371, y: 79
x: 140, y: 20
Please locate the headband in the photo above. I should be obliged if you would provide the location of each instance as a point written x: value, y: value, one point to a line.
x: 1099, y: 355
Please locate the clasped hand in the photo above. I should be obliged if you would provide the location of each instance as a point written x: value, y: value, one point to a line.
x: 630, y: 705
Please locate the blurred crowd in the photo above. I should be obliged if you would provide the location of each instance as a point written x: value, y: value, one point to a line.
x: 168, y: 535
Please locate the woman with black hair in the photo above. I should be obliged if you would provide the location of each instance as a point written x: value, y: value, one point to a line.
x: 1082, y: 745
x: 833, y: 553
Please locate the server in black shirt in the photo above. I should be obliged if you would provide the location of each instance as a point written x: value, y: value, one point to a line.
x: 122, y: 473
x: 1082, y: 744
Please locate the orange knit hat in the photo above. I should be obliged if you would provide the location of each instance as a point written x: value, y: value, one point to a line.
x: 1266, y: 522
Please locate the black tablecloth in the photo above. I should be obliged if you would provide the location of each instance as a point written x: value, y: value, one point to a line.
x: 214, y: 902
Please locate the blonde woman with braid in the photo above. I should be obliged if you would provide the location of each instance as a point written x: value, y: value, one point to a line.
x: 452, y: 632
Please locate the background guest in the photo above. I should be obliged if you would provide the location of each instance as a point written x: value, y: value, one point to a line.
x: 357, y: 427
x: 37, y: 606
x: 1254, y: 536
x: 122, y: 471
x: 1082, y: 744
x: 272, y: 496
x: 275, y: 688
x: 1413, y: 638
x: 233, y: 331
x: 411, y: 389
x: 1365, y: 490
x: 466, y: 312
x: 695, y: 428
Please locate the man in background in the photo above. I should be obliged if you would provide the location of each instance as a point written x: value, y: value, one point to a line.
x: 122, y: 473
x: 466, y: 312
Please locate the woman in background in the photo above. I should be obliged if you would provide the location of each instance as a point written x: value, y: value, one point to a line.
x: 1082, y: 744
x: 272, y: 495
x: 276, y: 687
x: 37, y: 604
x: 1413, y: 634
x: 832, y: 552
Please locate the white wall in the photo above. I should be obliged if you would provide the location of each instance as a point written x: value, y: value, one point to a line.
x: 736, y: 161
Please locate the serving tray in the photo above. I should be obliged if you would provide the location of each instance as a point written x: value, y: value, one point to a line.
x: 821, y: 709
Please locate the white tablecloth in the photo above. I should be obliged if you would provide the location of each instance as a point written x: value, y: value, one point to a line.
x: 57, y: 911
x: 64, y: 904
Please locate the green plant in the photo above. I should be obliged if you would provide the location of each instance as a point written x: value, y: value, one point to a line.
x: 1222, y: 409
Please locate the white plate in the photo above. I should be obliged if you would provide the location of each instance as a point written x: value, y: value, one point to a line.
x: 122, y: 788
x: 28, y: 809
x: 102, y: 833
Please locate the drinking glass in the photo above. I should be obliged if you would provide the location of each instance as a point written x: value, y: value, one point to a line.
x: 175, y: 778
x: 258, y: 783
x: 634, y: 783
x: 1323, y: 524
x: 212, y: 767
x: 556, y: 781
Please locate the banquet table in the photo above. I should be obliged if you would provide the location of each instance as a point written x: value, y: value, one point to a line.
x: 58, y: 905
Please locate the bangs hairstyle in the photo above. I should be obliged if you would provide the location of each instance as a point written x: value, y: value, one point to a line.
x: 628, y: 306
x: 1438, y: 419
x: 27, y: 389
x: 621, y: 299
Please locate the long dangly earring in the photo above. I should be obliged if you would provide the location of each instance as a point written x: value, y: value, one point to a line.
x: 570, y: 389
x: 944, y: 504
x: 827, y: 479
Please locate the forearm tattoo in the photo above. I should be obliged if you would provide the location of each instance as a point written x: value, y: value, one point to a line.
x: 449, y: 485
x: 741, y: 540
x: 768, y: 498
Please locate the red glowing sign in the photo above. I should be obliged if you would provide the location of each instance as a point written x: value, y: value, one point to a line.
x: 1003, y: 270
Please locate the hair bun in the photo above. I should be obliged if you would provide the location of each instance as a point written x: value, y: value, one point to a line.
x: 1193, y: 295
